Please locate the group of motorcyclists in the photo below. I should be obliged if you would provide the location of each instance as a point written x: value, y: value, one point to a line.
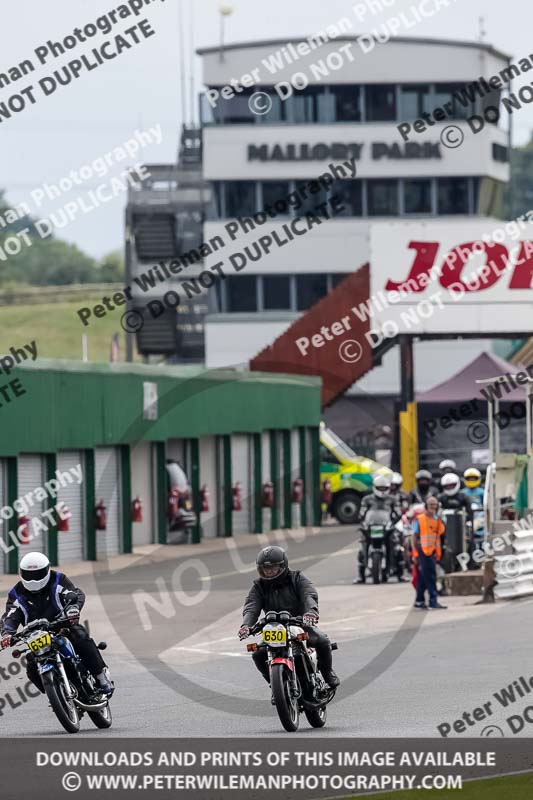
x: 393, y: 509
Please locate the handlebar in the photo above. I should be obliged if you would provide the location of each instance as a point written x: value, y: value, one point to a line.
x: 286, y: 619
x: 45, y: 624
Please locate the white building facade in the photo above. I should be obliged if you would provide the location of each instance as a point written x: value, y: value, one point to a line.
x: 264, y: 139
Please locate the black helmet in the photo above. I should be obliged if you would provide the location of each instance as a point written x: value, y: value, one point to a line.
x: 268, y: 559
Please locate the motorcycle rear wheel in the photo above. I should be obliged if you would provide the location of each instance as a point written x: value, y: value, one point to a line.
x: 316, y: 717
x: 64, y: 709
x: 376, y: 566
x: 286, y: 706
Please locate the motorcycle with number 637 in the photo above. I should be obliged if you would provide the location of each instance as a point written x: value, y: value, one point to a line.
x: 70, y: 688
x: 297, y: 684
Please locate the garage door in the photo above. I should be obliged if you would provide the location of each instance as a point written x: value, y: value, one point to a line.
x: 4, y: 524
x: 107, y: 488
x: 266, y: 476
x: 241, y: 472
x: 142, y: 487
x: 31, y: 477
x: 296, y: 508
x: 208, y: 476
x: 70, y: 543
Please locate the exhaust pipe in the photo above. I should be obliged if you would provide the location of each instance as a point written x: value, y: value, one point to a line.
x: 94, y: 707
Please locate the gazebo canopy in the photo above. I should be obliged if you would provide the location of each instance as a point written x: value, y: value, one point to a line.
x: 462, y: 386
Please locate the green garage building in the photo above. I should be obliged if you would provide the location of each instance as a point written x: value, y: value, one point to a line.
x: 116, y: 426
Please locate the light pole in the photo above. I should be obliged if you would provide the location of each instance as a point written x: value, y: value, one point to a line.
x: 225, y: 10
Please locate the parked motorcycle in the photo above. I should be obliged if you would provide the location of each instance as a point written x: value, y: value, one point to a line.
x: 297, y: 684
x: 70, y: 688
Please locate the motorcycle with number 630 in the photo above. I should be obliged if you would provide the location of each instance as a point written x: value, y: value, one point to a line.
x: 296, y: 682
x: 70, y: 688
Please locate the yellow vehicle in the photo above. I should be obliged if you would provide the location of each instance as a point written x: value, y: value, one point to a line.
x: 350, y: 475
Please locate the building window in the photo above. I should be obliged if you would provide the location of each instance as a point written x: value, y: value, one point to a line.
x: 241, y: 293
x: 310, y: 289
x: 338, y: 277
x: 309, y: 105
x: 347, y: 103
x: 380, y: 103
x: 276, y: 292
x: 413, y: 102
x: 240, y: 198
x: 350, y: 195
x: 310, y: 202
x: 234, y: 110
x: 382, y: 198
x: 274, y: 192
x: 452, y: 196
x: 444, y: 93
x: 417, y: 196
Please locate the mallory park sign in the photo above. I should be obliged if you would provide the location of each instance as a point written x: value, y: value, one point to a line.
x: 339, y: 151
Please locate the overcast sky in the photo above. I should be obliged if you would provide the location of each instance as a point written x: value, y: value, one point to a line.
x: 141, y: 88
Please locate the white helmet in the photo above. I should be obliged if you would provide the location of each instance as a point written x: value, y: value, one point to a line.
x: 450, y: 483
x: 381, y: 485
x: 396, y: 480
x: 448, y: 465
x: 34, y: 571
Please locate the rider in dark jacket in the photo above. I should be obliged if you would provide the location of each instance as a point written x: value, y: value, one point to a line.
x: 43, y: 593
x: 424, y: 488
x: 279, y: 588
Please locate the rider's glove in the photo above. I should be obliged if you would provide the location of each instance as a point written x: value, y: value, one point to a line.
x: 310, y: 618
x: 244, y: 632
x: 73, y: 615
x: 6, y: 640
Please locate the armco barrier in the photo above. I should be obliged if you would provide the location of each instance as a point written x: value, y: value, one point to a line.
x: 514, y: 573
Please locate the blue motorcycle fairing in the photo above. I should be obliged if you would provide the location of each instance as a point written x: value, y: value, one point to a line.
x: 45, y: 667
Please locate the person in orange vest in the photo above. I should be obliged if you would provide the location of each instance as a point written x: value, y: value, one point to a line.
x: 428, y: 530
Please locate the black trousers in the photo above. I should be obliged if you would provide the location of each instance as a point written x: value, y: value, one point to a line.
x: 84, y: 646
x: 317, y: 639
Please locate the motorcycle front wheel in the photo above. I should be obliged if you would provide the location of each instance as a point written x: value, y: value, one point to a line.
x: 64, y: 709
x: 287, y: 706
x: 376, y: 566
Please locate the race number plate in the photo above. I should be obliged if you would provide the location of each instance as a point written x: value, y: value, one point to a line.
x: 39, y: 642
x: 279, y: 636
x: 376, y: 532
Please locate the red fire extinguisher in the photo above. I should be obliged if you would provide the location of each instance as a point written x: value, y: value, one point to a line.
x: 204, y: 496
x: 268, y: 495
x: 173, y: 505
x: 23, y: 530
x: 101, y: 516
x: 236, y: 497
x: 327, y: 496
x: 136, y: 510
x: 63, y: 514
x: 297, y: 490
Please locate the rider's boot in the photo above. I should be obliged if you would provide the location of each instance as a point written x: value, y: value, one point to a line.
x: 104, y: 684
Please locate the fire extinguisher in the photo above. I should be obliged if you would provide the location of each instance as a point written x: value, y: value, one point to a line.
x: 63, y: 517
x: 173, y: 505
x: 327, y: 495
x: 101, y: 516
x: 136, y: 510
x: 268, y: 495
x: 204, y: 496
x: 297, y: 490
x: 23, y: 530
x: 236, y: 504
